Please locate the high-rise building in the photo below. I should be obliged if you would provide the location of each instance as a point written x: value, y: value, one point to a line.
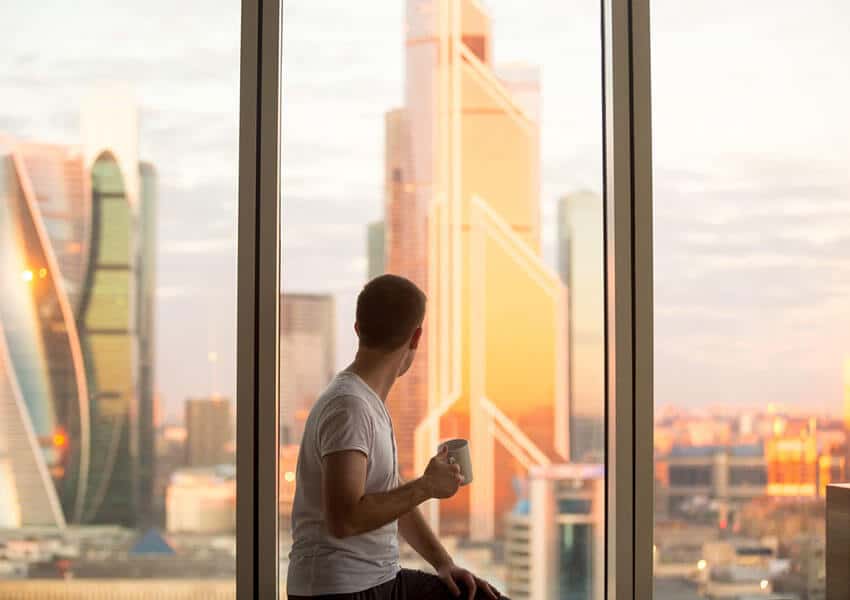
x: 555, y: 538
x: 145, y: 306
x: 406, y: 245
x: 581, y: 269
x: 71, y: 258
x: 375, y: 249
x: 463, y: 222
x: 307, y: 350
x: 209, y: 430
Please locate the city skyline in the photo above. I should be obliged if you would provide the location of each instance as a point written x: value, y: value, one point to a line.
x: 796, y: 183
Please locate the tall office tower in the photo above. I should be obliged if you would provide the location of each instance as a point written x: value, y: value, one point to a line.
x: 145, y: 308
x: 406, y: 239
x: 555, y: 538
x: 463, y: 179
x: 69, y: 325
x: 581, y: 269
x: 107, y: 320
x: 307, y: 350
x: 209, y: 429
x: 375, y: 249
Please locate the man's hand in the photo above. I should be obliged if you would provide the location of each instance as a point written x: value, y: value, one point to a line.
x: 451, y: 575
x: 441, y: 478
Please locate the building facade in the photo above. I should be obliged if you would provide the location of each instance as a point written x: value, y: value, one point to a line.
x: 375, y: 253
x: 463, y: 222
x: 209, y: 430
x: 307, y: 358
x: 728, y: 476
x: 72, y: 378
x: 555, y: 539
x: 201, y: 500
x: 581, y: 269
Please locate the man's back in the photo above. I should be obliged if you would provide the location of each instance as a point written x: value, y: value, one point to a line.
x: 347, y: 416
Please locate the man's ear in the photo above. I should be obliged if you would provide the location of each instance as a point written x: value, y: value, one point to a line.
x: 417, y: 335
x: 357, y: 328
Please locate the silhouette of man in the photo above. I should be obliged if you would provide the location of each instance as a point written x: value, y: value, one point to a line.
x: 350, y: 503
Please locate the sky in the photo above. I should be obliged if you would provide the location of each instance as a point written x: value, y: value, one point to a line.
x: 751, y: 149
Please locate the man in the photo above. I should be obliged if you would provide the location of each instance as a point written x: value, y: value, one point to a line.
x: 350, y: 504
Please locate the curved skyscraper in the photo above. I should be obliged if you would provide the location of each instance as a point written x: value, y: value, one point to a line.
x: 73, y: 381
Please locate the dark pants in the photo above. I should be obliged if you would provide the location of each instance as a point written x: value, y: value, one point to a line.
x: 408, y: 585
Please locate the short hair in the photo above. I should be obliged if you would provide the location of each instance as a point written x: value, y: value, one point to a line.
x: 389, y: 309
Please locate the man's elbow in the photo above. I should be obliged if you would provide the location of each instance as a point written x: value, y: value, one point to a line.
x: 340, y: 527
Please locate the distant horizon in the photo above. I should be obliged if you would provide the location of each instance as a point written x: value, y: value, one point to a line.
x: 752, y: 209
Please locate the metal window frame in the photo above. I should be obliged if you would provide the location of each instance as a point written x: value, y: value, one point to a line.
x: 257, y: 560
x: 628, y: 298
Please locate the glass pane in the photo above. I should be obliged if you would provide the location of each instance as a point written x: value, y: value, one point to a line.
x: 118, y: 130
x: 457, y: 144
x: 752, y: 283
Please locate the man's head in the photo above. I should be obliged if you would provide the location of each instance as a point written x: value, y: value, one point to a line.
x: 390, y: 311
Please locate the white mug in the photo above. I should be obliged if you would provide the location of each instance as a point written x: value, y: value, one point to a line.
x: 459, y: 454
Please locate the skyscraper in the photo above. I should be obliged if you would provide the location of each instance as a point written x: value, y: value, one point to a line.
x: 462, y: 220
x: 307, y: 352
x: 581, y: 269
x: 406, y: 239
x: 145, y: 304
x: 375, y: 249
x: 70, y: 323
x: 555, y: 537
x: 209, y: 429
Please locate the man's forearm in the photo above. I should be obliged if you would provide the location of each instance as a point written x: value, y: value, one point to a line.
x: 376, y: 510
x: 416, y: 532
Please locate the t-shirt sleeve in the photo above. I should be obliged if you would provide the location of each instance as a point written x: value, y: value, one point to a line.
x: 345, y: 425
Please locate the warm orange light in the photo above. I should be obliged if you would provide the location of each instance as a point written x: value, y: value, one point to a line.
x: 60, y: 440
x: 42, y: 273
x: 289, y: 476
x: 27, y: 275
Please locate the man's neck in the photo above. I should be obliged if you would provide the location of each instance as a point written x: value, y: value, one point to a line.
x: 378, y: 370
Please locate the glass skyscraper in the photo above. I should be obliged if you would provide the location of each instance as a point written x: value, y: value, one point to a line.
x: 462, y: 214
x: 76, y: 323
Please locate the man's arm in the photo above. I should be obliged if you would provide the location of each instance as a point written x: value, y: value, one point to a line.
x: 415, y: 530
x: 350, y: 511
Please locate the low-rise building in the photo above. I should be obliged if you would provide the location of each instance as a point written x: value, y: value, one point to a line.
x: 202, y: 500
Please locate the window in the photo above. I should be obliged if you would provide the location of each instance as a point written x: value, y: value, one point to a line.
x: 475, y: 170
x: 751, y: 292
x: 118, y: 132
x: 118, y: 328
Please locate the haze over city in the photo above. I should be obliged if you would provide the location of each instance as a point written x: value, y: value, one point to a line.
x: 751, y: 223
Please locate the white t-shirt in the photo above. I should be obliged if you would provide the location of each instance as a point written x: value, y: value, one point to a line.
x: 348, y: 415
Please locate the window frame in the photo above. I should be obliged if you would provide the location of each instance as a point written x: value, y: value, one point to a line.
x: 628, y: 298
x: 257, y: 411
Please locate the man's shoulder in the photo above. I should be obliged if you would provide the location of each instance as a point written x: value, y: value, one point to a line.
x: 339, y: 396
